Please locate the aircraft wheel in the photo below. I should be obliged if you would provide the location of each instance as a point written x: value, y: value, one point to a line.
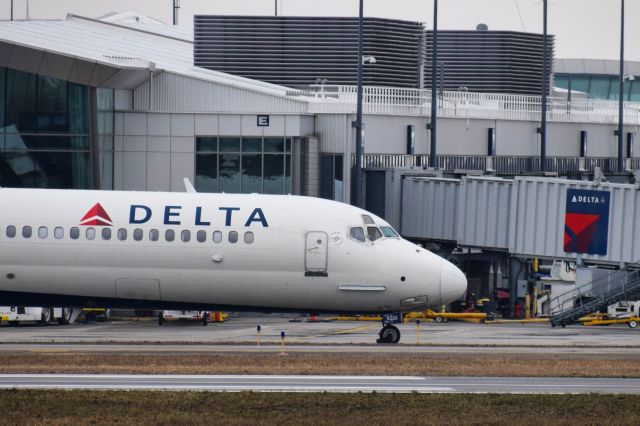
x: 13, y: 323
x: 46, y: 316
x: 389, y: 334
x: 632, y: 324
x: 65, y: 319
x: 440, y: 319
x: 160, y: 319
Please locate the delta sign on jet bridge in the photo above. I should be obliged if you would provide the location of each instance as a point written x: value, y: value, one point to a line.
x: 586, y: 223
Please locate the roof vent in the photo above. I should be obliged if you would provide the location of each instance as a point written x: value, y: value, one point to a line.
x: 482, y: 27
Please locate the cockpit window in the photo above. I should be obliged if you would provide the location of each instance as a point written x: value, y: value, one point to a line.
x: 373, y: 233
x: 357, y: 233
x: 367, y: 219
x: 388, y: 232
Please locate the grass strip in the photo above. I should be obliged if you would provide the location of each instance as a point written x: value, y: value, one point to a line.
x: 517, y: 365
x: 171, y: 408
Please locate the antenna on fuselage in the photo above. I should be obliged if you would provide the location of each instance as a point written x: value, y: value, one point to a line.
x: 188, y: 186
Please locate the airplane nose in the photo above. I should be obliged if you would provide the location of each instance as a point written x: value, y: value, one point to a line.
x: 453, y: 282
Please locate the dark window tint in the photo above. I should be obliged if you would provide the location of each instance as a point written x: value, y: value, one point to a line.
x: 122, y: 234
x: 185, y: 236
x: 154, y: 235
x: 373, y: 233
x: 26, y: 231
x: 249, y: 237
x: 357, y: 233
x: 137, y: 234
x: 106, y: 233
x: 169, y: 235
x: 233, y: 237
x: 74, y: 233
x: 11, y: 231
x: 201, y: 236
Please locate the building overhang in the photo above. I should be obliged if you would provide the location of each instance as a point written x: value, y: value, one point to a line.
x: 112, y: 72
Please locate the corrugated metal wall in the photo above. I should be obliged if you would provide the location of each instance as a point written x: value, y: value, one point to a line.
x: 538, y: 219
x: 483, y: 212
x: 429, y: 207
x: 175, y: 93
x: 123, y: 100
x: 334, y: 131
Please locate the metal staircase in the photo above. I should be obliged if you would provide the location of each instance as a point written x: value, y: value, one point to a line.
x: 594, y: 296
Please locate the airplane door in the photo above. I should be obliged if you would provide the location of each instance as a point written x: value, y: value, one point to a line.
x: 316, y: 253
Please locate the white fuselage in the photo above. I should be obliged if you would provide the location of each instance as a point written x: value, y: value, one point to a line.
x: 292, y: 253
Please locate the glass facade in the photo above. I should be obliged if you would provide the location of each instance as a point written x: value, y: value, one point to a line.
x: 44, y: 132
x: 245, y: 165
x: 331, y: 180
x: 598, y: 86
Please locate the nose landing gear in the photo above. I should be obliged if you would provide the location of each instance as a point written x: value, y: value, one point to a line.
x: 389, y: 334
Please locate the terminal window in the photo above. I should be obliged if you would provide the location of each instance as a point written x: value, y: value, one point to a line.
x: 234, y: 164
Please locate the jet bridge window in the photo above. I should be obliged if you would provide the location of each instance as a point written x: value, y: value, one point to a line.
x: 106, y: 234
x: 137, y: 234
x: 74, y: 233
x: 357, y: 233
x: 373, y: 233
x: 43, y: 232
x: 26, y: 232
x: 11, y: 231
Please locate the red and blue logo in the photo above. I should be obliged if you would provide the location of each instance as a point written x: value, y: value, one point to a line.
x: 586, y: 221
x: 96, y: 216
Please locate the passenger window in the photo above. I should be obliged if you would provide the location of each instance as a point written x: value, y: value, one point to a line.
x: 74, y: 233
x: 367, y: 219
x: 248, y: 237
x: 201, y: 236
x: 11, y: 231
x: 154, y: 235
x: 217, y: 237
x: 373, y: 233
x: 233, y: 237
x: 122, y: 234
x: 58, y: 233
x: 91, y: 233
x: 26, y: 231
x: 185, y: 236
x: 357, y: 233
x: 137, y: 234
x: 169, y: 235
x: 388, y: 232
x: 43, y: 232
x: 106, y: 233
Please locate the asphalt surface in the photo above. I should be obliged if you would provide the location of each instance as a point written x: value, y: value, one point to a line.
x: 241, y: 334
x: 391, y: 384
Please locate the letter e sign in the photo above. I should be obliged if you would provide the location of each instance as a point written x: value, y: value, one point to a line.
x: 263, y: 121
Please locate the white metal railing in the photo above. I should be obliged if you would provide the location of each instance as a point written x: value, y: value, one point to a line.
x: 462, y: 104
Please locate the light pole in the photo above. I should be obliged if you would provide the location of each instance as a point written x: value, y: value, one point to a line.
x: 433, y: 159
x: 358, y: 123
x: 176, y: 6
x: 545, y: 89
x: 620, y: 131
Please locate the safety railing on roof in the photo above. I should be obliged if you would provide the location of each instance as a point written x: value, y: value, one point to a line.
x: 462, y: 104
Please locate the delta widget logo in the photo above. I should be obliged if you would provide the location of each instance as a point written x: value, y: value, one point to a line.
x: 96, y: 216
x: 586, y: 222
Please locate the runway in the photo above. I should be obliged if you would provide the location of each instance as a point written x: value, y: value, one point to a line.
x: 334, y: 384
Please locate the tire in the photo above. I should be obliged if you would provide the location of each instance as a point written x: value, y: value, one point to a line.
x: 389, y: 334
x: 440, y: 319
x: 632, y: 324
x: 46, y: 316
x: 65, y: 319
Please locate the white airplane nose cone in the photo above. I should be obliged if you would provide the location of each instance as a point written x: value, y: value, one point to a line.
x: 453, y: 282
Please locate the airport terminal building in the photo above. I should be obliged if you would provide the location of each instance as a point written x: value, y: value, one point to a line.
x: 118, y: 103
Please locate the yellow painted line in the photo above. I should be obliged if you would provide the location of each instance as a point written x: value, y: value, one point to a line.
x: 523, y: 321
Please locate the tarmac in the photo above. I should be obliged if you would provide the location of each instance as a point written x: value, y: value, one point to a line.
x: 133, y: 335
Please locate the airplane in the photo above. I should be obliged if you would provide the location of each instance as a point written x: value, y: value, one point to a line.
x: 235, y: 252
